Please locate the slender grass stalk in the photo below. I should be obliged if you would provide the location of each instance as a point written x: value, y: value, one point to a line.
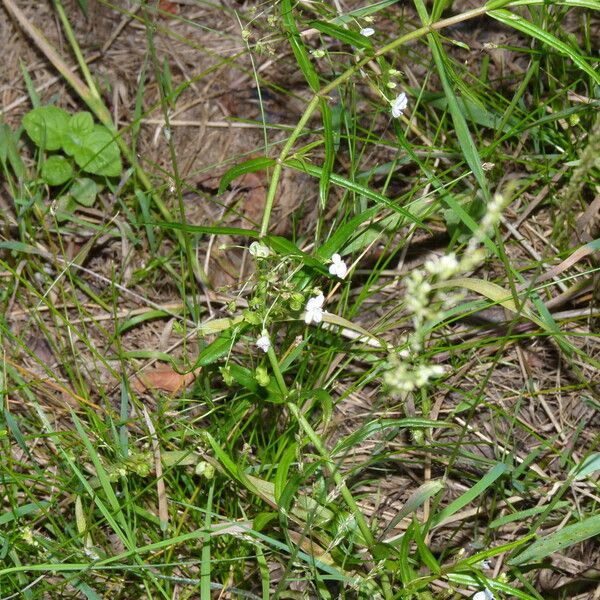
x: 345, y: 76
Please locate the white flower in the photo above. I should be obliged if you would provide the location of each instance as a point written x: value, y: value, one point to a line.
x: 485, y: 595
x: 367, y: 31
x: 259, y: 250
x: 338, y: 266
x: 264, y: 342
x: 399, y: 104
x: 314, y: 309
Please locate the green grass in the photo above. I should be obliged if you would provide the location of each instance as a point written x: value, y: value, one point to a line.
x: 322, y: 468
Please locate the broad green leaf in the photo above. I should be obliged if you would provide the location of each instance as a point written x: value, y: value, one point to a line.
x: 522, y: 515
x: 80, y: 125
x: 100, y: 153
x: 336, y: 241
x: 209, y: 229
x: 21, y: 247
x: 298, y: 47
x: 57, y: 170
x: 325, y: 179
x: 285, y: 247
x: 245, y: 378
x: 525, y: 26
x: 137, y: 319
x: 364, y: 335
x: 22, y: 511
x: 494, y: 292
x: 283, y: 467
x: 426, y: 555
x: 84, y: 190
x: 588, y: 466
x: 416, y: 500
x: 462, y: 130
x: 343, y: 35
x: 379, y: 426
x: 214, y: 351
x: 248, y: 166
x: 354, y: 187
x: 470, y: 495
x: 563, y: 538
x: 46, y: 126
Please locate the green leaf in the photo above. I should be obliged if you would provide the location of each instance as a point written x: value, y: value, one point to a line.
x: 84, y: 190
x: 248, y: 166
x: 298, y: 47
x: 284, y: 247
x: 343, y: 35
x: 57, y: 170
x: 246, y: 378
x: 100, y: 153
x: 563, y: 538
x: 283, y: 467
x: 336, y: 241
x: 354, y: 187
x: 525, y: 26
x: 220, y: 347
x: 416, y: 500
x: 80, y: 125
x: 22, y: 511
x: 483, y: 484
x: 462, y: 130
x: 9, y: 152
x: 46, y: 126
x: 588, y: 466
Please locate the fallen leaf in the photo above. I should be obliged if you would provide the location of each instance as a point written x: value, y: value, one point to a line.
x: 164, y: 379
x: 168, y: 7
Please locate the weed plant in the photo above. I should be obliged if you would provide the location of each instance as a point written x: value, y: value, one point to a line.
x: 388, y: 400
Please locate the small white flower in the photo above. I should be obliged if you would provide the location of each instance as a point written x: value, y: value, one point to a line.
x: 399, y: 105
x: 264, y: 342
x: 367, y: 31
x: 338, y: 266
x: 485, y: 595
x: 259, y: 250
x: 314, y: 309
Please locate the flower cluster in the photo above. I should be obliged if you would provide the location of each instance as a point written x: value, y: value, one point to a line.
x: 426, y: 302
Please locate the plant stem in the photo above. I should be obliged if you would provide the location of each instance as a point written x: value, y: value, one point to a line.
x: 277, y: 372
x: 341, y: 485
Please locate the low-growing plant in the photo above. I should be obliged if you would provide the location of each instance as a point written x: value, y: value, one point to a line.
x: 70, y: 145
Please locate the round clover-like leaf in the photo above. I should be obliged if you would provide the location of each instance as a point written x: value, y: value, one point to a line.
x: 46, y: 126
x: 57, y: 170
x: 84, y: 190
x: 80, y: 125
x: 99, y: 153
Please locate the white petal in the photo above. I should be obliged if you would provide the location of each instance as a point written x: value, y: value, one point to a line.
x: 399, y: 104
x: 308, y: 317
x: 317, y: 316
x: 318, y: 301
x: 342, y: 270
x: 336, y: 258
x: 367, y: 31
x: 333, y: 269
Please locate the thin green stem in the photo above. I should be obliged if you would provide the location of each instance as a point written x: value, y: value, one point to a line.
x: 277, y: 372
x: 76, y: 49
x: 312, y: 105
x: 341, y: 485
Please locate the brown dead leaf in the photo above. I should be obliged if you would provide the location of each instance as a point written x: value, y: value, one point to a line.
x: 164, y: 379
x: 168, y: 7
